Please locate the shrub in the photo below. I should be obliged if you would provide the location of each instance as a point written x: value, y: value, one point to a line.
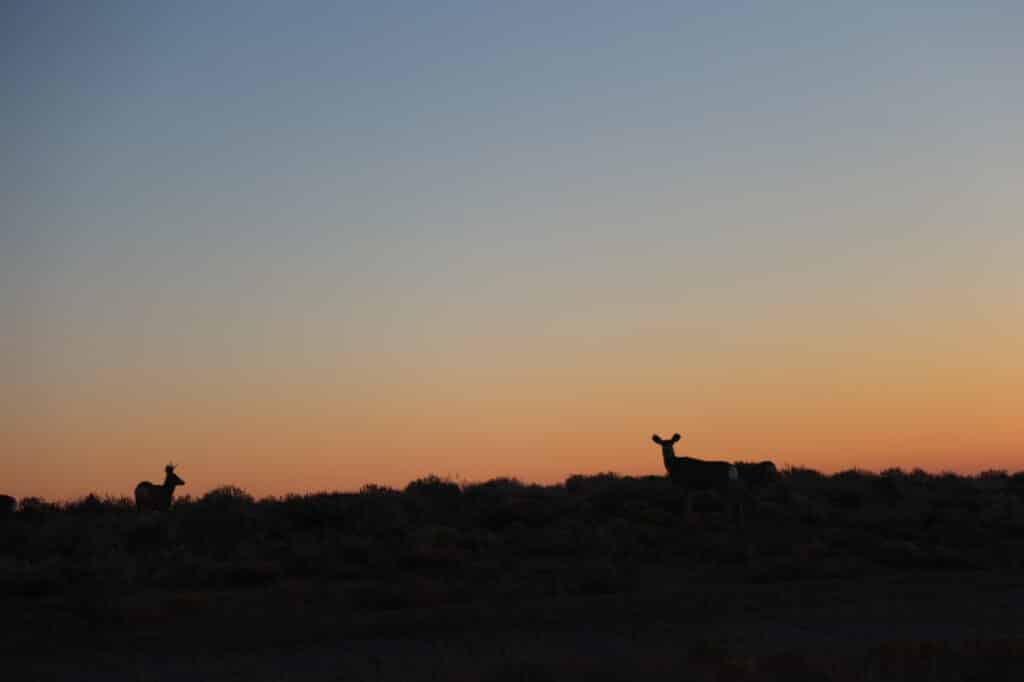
x: 890, y: 487
x: 36, y: 508
x: 372, y: 489
x: 92, y: 504
x: 226, y: 495
x: 580, y: 484
x: 992, y: 480
x: 920, y: 475
x: 802, y: 477
x: 851, y: 476
x: 1016, y: 484
x: 434, y: 486
x: 496, y: 487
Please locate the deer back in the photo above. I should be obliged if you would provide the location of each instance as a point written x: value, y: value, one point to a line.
x: 152, y: 497
x: 700, y: 474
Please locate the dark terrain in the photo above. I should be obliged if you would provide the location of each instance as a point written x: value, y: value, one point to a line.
x: 854, y: 576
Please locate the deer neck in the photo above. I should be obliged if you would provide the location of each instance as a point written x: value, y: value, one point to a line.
x: 670, y: 459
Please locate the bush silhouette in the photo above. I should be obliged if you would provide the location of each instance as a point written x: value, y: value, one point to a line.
x: 437, y: 543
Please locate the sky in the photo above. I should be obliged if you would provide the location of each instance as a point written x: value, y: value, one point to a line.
x: 305, y: 246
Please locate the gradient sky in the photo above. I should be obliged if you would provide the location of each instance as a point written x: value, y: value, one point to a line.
x: 303, y: 246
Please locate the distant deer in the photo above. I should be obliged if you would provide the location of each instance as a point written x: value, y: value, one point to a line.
x: 151, y: 497
x: 7, y: 505
x: 696, y: 474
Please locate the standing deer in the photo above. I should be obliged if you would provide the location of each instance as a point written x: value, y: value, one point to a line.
x: 149, y: 496
x: 696, y: 474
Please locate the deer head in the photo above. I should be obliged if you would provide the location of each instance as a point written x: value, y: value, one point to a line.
x: 667, y: 446
x: 172, y: 480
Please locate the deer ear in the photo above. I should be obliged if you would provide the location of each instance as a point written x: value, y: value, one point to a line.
x: 676, y: 438
x: 656, y: 439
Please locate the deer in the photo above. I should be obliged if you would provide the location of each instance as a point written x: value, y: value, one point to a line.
x: 151, y: 497
x: 697, y: 474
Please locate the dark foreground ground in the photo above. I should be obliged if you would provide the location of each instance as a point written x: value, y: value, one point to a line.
x: 849, y: 577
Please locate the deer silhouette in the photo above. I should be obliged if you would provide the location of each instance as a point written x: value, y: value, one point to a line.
x: 152, y: 497
x: 697, y: 474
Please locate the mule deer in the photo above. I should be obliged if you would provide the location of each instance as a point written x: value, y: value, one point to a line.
x: 151, y: 497
x: 697, y: 474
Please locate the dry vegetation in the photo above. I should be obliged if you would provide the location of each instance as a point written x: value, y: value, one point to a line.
x: 613, y: 554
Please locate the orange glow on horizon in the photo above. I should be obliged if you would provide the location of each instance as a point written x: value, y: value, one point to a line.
x: 312, y: 439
